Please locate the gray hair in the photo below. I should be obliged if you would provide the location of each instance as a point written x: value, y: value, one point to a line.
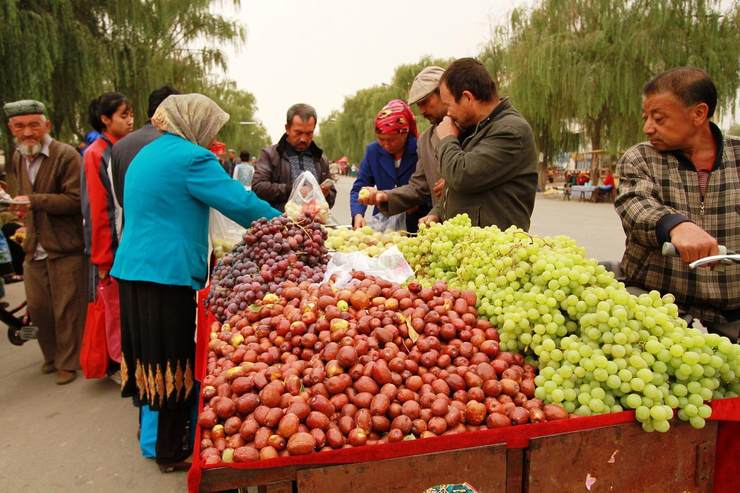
x: 304, y: 111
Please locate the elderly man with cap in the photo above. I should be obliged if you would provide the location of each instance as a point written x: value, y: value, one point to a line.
x: 426, y: 180
x: 44, y: 174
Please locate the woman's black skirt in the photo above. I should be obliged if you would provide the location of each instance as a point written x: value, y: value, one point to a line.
x: 157, y: 345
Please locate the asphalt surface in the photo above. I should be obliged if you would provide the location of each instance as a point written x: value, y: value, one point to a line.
x: 82, y: 436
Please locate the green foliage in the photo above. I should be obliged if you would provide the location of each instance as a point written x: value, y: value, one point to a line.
x: 350, y: 130
x: 585, y: 61
x: 65, y: 52
x: 241, y: 106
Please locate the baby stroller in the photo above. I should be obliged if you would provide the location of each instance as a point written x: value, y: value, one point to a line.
x: 17, y: 319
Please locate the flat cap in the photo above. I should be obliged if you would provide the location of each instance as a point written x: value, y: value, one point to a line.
x: 24, y: 107
x: 424, y: 83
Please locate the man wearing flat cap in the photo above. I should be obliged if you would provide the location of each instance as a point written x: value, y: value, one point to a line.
x: 425, y: 184
x: 44, y: 177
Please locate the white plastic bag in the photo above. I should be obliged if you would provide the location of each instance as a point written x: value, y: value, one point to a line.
x: 244, y: 172
x: 390, y: 265
x: 307, y: 199
x: 223, y: 233
x: 381, y: 223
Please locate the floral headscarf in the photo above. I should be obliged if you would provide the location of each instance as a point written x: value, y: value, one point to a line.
x: 396, y: 117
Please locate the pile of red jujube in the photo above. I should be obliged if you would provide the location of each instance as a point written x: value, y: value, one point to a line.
x: 322, y: 368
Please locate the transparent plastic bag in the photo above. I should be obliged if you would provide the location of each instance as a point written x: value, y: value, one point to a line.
x: 244, y: 172
x: 223, y: 233
x: 307, y: 199
x: 382, y: 223
x: 390, y: 265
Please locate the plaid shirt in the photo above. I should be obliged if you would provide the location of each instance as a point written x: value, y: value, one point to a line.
x: 653, y: 188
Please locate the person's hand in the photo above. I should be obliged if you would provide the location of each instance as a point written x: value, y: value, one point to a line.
x: 367, y: 195
x: 359, y: 221
x: 692, y: 242
x: 447, y: 128
x: 102, y: 274
x: 326, y: 189
x: 439, y: 188
x: 21, y: 209
x: 429, y: 219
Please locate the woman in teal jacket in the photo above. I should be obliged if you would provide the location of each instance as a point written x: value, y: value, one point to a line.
x: 162, y: 260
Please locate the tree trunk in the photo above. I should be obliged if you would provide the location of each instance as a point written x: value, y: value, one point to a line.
x: 595, y: 146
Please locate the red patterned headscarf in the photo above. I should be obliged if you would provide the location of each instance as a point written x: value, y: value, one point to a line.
x: 396, y: 118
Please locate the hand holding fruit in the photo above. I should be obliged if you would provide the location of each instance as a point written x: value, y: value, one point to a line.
x: 447, y: 128
x: 429, y: 219
x: 367, y: 195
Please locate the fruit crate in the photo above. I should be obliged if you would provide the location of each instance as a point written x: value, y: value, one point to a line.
x: 599, y: 453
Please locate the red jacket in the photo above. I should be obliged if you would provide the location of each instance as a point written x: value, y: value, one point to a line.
x: 98, y: 206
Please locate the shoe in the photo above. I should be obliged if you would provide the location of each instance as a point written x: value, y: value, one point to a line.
x: 116, y: 377
x: 64, y: 377
x: 48, y: 367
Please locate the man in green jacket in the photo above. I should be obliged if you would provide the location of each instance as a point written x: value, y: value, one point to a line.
x: 487, y: 155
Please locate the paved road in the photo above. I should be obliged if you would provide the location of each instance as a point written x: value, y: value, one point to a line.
x: 81, y: 437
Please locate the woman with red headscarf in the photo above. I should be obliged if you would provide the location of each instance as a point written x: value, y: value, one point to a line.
x: 389, y: 162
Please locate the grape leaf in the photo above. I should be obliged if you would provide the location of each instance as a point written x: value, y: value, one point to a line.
x: 413, y: 335
x: 410, y: 436
x: 255, y: 308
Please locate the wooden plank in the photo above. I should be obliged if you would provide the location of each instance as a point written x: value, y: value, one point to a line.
x: 483, y: 468
x: 224, y: 478
x: 623, y: 458
x: 515, y: 470
x: 281, y: 487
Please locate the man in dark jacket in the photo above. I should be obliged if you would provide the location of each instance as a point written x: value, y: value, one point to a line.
x: 280, y: 164
x: 487, y: 154
x: 124, y: 150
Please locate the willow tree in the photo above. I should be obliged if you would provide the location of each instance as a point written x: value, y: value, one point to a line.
x: 350, y: 130
x: 65, y: 52
x: 47, y: 52
x: 585, y: 61
x: 152, y: 42
x: 241, y: 106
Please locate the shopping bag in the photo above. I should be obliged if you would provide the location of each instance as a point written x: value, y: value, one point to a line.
x: 224, y: 233
x: 389, y: 265
x: 108, y: 292
x: 307, y: 200
x: 381, y: 223
x: 94, y: 352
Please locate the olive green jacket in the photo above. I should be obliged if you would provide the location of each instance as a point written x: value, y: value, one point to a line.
x: 492, y: 174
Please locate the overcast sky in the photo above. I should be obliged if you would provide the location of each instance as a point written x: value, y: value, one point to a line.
x: 319, y: 51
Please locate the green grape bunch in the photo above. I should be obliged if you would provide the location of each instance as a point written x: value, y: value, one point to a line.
x: 598, y: 347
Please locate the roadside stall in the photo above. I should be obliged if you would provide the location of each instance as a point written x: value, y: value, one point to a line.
x: 444, y: 359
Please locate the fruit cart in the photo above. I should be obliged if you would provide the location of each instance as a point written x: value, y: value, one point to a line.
x: 608, y: 452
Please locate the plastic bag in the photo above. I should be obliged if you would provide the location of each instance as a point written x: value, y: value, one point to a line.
x: 224, y: 233
x: 389, y: 265
x: 94, y: 352
x: 381, y: 223
x: 307, y: 199
x: 244, y: 172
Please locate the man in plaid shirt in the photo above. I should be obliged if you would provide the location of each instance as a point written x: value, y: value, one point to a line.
x: 683, y: 186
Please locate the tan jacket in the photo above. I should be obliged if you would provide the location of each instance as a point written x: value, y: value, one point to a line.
x: 55, y: 218
x: 419, y: 187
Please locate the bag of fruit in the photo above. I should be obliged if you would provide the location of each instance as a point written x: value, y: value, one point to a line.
x: 307, y: 199
x: 223, y: 233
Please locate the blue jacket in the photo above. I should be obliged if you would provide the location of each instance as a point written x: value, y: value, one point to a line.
x: 379, y: 170
x: 170, y: 185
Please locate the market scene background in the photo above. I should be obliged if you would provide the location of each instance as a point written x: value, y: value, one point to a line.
x: 574, y: 69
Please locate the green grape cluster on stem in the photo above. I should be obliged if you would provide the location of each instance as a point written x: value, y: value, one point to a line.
x: 598, y: 348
